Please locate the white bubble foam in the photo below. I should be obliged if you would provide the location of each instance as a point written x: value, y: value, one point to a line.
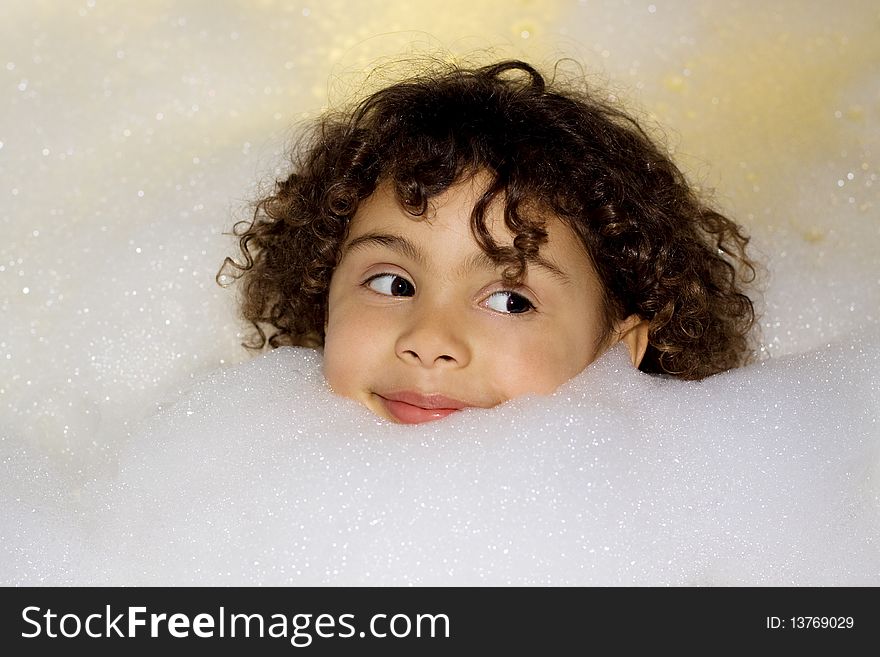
x: 259, y: 475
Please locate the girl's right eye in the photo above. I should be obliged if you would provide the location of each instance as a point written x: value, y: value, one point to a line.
x: 391, y: 285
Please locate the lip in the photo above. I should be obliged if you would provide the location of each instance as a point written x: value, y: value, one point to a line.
x: 408, y: 407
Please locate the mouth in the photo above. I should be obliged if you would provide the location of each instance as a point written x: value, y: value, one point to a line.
x: 414, y: 408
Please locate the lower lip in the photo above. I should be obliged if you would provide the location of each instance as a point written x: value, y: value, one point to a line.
x: 409, y: 414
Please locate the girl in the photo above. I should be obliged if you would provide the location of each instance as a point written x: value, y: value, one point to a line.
x: 474, y: 234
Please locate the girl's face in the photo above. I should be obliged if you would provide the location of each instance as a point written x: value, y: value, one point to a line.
x: 421, y: 324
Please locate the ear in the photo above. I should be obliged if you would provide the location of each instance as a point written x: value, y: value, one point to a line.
x: 633, y: 332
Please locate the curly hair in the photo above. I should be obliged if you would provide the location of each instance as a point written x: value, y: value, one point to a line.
x: 660, y: 252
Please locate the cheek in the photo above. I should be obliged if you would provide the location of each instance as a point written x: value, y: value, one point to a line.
x: 540, y: 361
x: 535, y: 364
x: 341, y: 356
x: 352, y: 349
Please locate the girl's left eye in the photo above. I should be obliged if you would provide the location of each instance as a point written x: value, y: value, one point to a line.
x: 509, y: 303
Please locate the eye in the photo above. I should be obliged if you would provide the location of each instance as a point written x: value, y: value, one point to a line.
x: 509, y: 303
x: 391, y: 285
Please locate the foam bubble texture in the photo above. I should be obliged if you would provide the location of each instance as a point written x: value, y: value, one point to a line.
x: 259, y: 475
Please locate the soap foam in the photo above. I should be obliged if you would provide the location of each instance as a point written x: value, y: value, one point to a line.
x: 258, y: 474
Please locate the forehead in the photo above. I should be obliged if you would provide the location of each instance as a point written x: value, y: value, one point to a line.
x: 448, y: 211
x: 447, y: 221
x: 442, y: 239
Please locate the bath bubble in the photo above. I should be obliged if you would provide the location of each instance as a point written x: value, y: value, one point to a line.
x: 766, y: 475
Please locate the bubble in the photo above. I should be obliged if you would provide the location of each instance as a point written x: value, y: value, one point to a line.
x: 618, y: 477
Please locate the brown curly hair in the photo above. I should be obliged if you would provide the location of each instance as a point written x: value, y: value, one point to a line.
x: 660, y: 251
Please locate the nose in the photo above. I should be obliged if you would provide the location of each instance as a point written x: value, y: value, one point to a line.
x: 432, y: 338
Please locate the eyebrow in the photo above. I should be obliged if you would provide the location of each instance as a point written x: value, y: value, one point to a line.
x: 394, y: 242
x: 480, y: 260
